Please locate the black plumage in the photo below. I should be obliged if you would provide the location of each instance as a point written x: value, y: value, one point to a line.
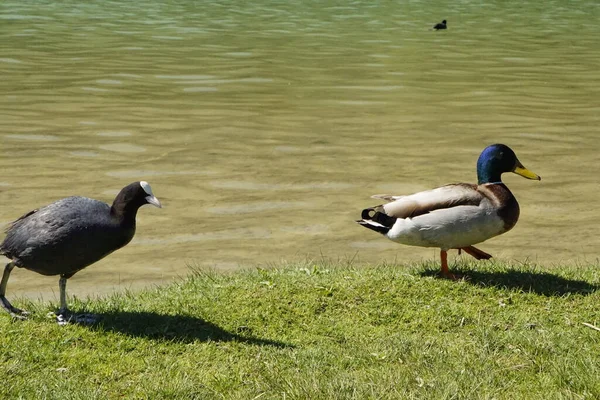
x: 383, y: 222
x: 441, y: 25
x: 71, y: 234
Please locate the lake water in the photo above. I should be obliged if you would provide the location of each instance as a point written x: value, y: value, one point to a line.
x: 264, y: 127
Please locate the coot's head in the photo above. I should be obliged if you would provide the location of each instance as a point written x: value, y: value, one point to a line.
x: 444, y: 22
x: 133, y: 196
x: 149, y: 196
x: 497, y: 159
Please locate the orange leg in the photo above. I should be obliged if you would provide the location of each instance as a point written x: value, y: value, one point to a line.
x: 445, y: 272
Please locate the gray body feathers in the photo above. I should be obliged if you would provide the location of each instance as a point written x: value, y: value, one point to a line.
x: 66, y: 236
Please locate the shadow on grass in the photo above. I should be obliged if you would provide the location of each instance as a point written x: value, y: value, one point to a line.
x: 541, y: 283
x: 178, y: 328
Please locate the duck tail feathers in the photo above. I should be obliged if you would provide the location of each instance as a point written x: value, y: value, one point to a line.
x: 376, y: 220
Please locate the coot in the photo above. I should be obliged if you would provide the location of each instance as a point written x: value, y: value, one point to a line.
x: 70, y: 234
x: 441, y: 25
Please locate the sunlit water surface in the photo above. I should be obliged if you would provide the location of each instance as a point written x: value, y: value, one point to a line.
x: 265, y: 126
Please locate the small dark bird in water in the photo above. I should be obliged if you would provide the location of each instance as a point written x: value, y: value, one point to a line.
x: 441, y: 25
x: 68, y: 235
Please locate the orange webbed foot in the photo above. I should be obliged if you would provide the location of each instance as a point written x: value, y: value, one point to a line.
x: 475, y: 252
x: 445, y: 272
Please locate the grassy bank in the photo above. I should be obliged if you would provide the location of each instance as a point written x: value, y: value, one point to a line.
x: 316, y: 331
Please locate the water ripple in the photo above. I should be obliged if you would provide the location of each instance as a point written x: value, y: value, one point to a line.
x: 114, y: 134
x: 138, y: 173
x: 248, y: 208
x: 10, y: 61
x: 123, y: 148
x: 34, y: 138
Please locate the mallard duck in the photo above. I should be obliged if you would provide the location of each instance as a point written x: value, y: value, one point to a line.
x: 441, y: 25
x: 454, y: 216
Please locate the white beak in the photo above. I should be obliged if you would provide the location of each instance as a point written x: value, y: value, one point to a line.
x: 154, y: 201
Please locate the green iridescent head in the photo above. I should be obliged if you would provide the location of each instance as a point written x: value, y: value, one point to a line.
x: 498, y: 159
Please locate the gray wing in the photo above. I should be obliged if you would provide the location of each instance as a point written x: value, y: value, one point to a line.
x: 443, y: 197
x: 63, y: 237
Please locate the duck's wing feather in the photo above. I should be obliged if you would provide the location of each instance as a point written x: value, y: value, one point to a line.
x: 444, y: 197
x: 387, y: 197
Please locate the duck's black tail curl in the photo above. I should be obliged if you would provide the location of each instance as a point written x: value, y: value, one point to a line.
x: 376, y: 220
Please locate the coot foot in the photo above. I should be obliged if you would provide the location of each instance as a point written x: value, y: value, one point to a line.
x: 64, y: 317
x: 12, y: 310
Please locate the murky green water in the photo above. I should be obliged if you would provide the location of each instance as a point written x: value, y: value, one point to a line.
x: 265, y: 126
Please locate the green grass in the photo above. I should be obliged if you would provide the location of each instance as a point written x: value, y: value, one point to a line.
x: 321, y: 331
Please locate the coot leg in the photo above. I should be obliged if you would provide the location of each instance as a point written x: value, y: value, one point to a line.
x: 64, y: 316
x: 14, y: 311
x: 62, y: 287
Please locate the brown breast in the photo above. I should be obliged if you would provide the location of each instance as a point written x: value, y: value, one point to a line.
x: 502, y: 198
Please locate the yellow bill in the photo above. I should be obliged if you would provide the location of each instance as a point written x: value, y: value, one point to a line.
x: 521, y: 170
